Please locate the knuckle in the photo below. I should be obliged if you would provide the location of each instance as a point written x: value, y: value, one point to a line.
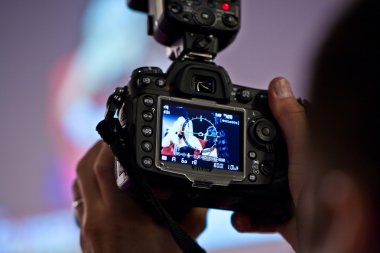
x: 290, y: 108
x: 75, y: 185
x: 197, y: 221
x: 88, y: 159
x: 81, y: 165
x: 99, y: 170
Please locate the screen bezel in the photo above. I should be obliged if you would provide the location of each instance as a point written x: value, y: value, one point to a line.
x: 194, y: 173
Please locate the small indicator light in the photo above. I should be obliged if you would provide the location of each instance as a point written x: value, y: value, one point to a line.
x: 225, y: 6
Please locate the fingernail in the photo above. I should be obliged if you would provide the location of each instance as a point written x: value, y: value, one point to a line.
x: 282, y: 88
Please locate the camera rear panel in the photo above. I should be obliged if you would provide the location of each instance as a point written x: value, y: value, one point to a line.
x: 241, y: 140
x: 248, y: 171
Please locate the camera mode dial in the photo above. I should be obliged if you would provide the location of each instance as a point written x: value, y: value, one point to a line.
x: 146, y: 71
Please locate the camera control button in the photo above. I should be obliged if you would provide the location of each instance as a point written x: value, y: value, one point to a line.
x: 262, y: 98
x: 160, y: 82
x: 211, y: 4
x: 252, y: 155
x: 252, y: 177
x: 187, y: 18
x: 270, y: 148
x: 143, y: 81
x: 265, y: 130
x: 147, y: 116
x: 267, y: 168
x: 147, y: 162
x: 175, y: 8
x: 204, y: 17
x: 148, y: 101
x: 147, y: 146
x: 244, y: 95
x: 230, y: 20
x: 147, y: 131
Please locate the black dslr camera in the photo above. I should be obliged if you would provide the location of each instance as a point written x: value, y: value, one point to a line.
x: 199, y: 139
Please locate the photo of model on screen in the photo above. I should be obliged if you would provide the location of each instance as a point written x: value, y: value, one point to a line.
x: 196, y: 135
x: 182, y: 139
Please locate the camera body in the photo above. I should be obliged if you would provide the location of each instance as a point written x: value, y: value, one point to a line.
x: 199, y: 139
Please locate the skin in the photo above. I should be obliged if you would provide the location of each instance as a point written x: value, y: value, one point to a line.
x: 110, y: 220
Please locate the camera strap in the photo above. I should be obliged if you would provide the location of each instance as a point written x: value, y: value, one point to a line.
x: 110, y: 129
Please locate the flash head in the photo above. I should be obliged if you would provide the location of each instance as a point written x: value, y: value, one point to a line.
x: 170, y: 20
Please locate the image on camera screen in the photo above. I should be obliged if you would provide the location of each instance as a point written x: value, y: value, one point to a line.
x: 210, y: 137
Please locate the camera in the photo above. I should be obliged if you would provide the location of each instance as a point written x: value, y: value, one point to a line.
x: 199, y: 139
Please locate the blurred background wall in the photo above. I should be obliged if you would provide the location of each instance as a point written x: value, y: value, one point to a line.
x: 59, y: 60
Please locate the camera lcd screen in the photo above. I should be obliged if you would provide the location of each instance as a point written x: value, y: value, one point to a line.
x: 202, y: 136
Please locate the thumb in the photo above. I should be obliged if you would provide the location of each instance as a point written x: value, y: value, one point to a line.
x: 291, y: 117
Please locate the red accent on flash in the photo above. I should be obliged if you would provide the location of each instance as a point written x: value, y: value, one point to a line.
x: 225, y: 6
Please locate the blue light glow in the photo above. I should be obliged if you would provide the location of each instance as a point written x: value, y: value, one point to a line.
x: 220, y: 233
x: 57, y: 232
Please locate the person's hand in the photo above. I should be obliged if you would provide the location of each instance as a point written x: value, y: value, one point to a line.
x: 110, y: 220
x: 292, y: 120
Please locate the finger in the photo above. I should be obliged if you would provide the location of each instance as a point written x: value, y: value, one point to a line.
x: 105, y: 175
x: 242, y: 223
x: 78, y: 205
x: 87, y: 182
x: 194, y: 222
x: 85, y: 243
x: 291, y: 117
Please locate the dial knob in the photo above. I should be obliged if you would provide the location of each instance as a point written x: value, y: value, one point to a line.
x: 146, y: 71
x: 263, y: 131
